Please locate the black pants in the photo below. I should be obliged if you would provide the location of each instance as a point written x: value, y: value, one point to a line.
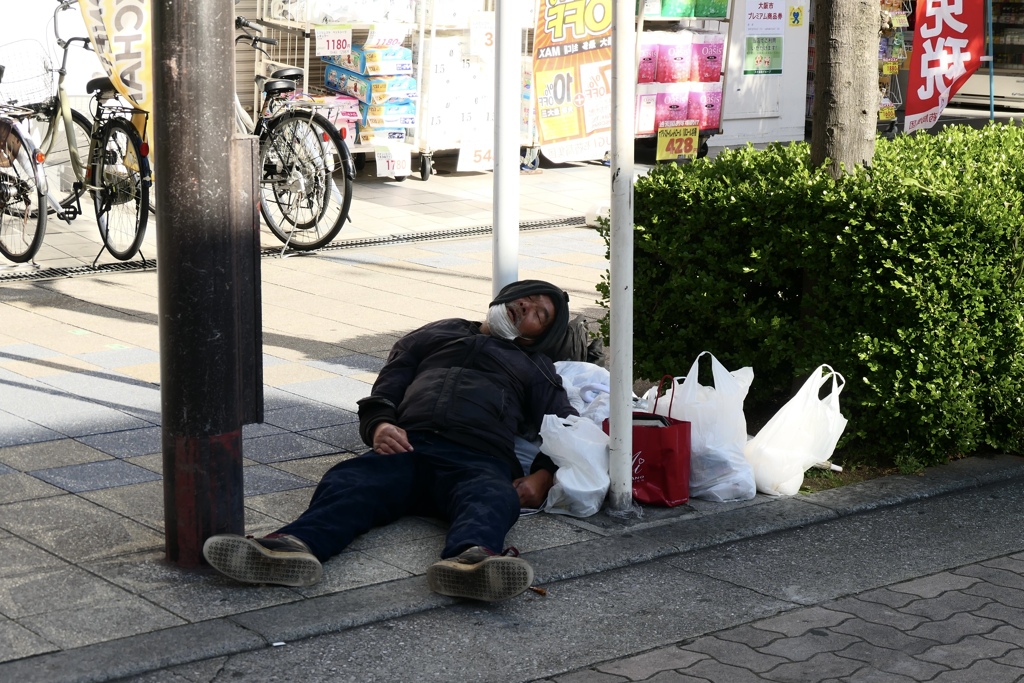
x: 471, y: 490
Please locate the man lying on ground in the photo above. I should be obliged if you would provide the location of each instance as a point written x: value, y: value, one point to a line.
x: 442, y: 419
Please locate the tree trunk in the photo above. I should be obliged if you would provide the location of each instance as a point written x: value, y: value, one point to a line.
x: 846, y: 92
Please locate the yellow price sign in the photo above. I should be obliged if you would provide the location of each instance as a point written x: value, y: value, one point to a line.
x: 679, y: 140
x: 887, y: 113
x: 890, y: 68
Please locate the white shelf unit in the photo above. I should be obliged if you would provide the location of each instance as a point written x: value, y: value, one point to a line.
x: 718, y: 25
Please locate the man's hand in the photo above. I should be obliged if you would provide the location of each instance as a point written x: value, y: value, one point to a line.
x: 389, y: 439
x: 533, y: 489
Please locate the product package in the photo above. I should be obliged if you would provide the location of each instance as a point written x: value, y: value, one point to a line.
x: 646, y: 108
x: 382, y: 61
x: 678, y: 8
x: 647, y: 70
x: 675, y: 57
x: 370, y: 89
x: 673, y: 104
x: 710, y: 8
x: 400, y: 115
x: 707, y: 60
x: 705, y: 104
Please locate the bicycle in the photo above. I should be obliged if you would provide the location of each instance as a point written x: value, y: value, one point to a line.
x: 22, y: 187
x: 106, y: 156
x: 299, y: 199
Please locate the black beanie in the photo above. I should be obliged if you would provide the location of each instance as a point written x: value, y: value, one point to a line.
x: 552, y: 336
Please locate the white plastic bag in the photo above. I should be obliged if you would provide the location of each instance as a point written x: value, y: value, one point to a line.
x: 718, y: 430
x: 580, y: 449
x: 803, y: 433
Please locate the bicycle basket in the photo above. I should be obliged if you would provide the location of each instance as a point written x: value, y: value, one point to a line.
x: 27, y: 77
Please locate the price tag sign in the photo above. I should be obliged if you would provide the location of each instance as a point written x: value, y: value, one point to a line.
x: 887, y: 112
x: 678, y: 139
x: 331, y: 42
x: 481, y: 35
x: 476, y: 155
x: 890, y: 68
x: 899, y: 20
x: 386, y: 35
x: 393, y: 161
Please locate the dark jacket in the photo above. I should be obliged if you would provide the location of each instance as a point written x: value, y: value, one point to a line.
x: 473, y: 388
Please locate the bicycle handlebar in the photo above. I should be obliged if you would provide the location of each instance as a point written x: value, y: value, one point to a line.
x: 242, y: 22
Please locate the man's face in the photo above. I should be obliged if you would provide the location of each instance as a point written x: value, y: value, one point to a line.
x: 532, y: 315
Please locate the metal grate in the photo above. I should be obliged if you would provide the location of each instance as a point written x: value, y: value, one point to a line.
x: 271, y: 252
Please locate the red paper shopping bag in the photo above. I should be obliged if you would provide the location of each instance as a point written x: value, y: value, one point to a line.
x: 661, y: 459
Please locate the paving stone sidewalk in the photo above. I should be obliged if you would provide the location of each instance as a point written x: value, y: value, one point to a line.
x: 960, y: 626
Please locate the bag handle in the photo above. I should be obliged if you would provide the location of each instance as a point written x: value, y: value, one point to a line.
x: 657, y: 394
x: 819, y: 378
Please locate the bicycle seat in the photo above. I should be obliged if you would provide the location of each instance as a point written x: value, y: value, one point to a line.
x: 278, y: 86
x: 100, y: 84
x: 291, y: 73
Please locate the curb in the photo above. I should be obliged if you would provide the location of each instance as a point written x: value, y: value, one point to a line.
x: 628, y: 542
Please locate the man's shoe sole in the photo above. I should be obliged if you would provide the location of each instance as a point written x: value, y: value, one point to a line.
x: 495, y: 578
x: 245, y: 560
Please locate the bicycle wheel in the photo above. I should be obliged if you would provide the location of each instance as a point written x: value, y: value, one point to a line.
x: 301, y: 200
x: 22, y: 196
x: 60, y: 174
x: 119, y: 176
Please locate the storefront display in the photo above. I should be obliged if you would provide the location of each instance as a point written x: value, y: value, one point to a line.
x: 1008, y: 61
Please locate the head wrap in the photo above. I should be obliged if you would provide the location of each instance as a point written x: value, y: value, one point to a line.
x: 551, y: 337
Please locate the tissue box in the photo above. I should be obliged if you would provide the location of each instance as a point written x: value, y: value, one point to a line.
x: 388, y: 115
x: 380, y: 136
x: 370, y: 89
x: 384, y: 61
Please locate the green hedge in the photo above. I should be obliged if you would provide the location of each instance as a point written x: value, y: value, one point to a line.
x: 905, y: 277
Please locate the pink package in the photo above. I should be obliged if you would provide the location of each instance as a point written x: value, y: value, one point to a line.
x: 675, y: 58
x: 673, y: 104
x: 705, y: 104
x: 646, y: 107
x: 648, y: 67
x: 706, y: 61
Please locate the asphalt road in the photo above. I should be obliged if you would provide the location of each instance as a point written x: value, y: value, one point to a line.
x: 585, y: 629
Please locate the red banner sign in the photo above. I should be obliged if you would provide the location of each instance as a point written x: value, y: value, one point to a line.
x: 949, y: 42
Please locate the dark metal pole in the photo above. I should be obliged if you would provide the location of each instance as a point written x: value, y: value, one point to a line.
x: 204, y: 274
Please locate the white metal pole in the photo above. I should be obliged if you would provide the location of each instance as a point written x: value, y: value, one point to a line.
x: 505, y: 259
x: 620, y: 466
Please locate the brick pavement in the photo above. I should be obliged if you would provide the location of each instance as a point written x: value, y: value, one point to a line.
x: 960, y: 626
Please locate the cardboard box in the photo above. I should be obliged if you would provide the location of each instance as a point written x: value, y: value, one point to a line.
x: 370, y: 89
